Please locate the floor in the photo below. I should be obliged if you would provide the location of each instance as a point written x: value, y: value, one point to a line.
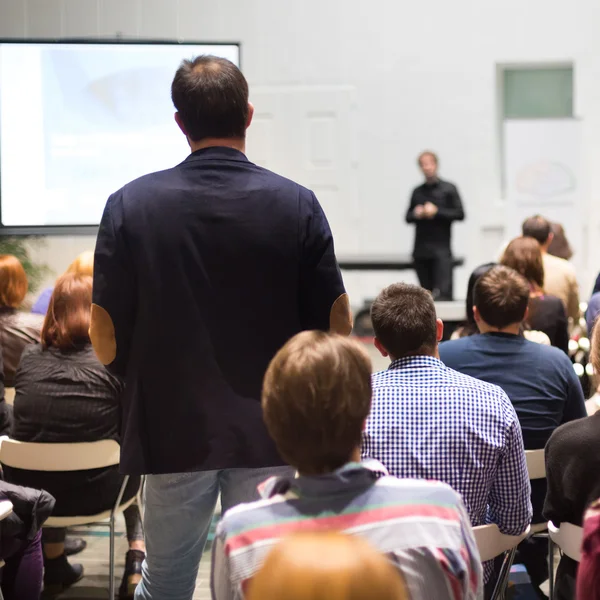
x: 95, y: 562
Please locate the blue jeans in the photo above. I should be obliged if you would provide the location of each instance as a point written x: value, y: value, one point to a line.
x: 179, y: 510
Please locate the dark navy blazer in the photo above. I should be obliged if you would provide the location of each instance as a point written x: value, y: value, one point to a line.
x: 205, y: 271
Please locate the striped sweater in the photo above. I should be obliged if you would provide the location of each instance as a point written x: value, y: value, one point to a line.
x: 421, y: 525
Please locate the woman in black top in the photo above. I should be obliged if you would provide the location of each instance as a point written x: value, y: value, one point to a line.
x: 64, y: 394
x: 546, y: 313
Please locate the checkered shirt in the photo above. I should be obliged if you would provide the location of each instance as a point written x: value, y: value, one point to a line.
x: 431, y: 422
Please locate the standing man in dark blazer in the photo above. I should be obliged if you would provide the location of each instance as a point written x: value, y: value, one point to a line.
x: 434, y: 205
x: 202, y: 272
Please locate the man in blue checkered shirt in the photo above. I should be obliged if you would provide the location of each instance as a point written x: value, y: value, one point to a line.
x: 430, y: 422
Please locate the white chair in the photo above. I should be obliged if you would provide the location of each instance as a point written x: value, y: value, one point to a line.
x: 491, y: 543
x: 31, y: 456
x: 6, y: 509
x: 568, y: 538
x: 536, y: 467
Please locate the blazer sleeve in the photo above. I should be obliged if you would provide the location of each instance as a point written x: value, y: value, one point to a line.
x: 114, y: 306
x: 323, y: 301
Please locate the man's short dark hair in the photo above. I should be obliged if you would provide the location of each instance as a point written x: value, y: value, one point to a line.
x: 404, y: 320
x: 537, y: 228
x: 211, y: 97
x: 501, y: 296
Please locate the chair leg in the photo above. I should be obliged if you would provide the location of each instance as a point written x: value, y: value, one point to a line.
x: 551, y: 567
x: 111, y: 559
x: 504, y: 575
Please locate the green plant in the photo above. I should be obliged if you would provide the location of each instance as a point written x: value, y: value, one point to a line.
x: 19, y: 246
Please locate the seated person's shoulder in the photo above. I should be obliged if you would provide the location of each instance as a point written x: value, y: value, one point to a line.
x: 30, y: 320
x: 418, y: 490
x: 577, y: 434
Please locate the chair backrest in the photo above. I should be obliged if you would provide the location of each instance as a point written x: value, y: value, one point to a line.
x: 568, y: 538
x: 6, y: 509
x: 536, y: 466
x: 32, y: 456
x: 491, y: 542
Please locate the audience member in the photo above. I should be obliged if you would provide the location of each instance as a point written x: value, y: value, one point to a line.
x: 588, y: 576
x: 316, y: 398
x: 326, y: 566
x: 17, y: 329
x: 539, y: 380
x: 573, y: 476
x: 546, y: 313
x: 559, y: 246
x: 64, y: 394
x: 201, y: 273
x: 430, y: 422
x: 559, y: 275
x: 20, y: 541
x: 470, y: 327
x: 82, y: 265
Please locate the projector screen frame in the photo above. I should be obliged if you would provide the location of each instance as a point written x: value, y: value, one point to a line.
x: 58, y: 230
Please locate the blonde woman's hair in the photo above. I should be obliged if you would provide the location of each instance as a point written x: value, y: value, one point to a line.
x: 83, y: 265
x: 326, y: 566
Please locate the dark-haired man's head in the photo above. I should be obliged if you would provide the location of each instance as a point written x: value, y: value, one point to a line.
x: 501, y: 298
x: 539, y: 229
x: 316, y: 399
x: 211, y: 98
x: 405, y: 322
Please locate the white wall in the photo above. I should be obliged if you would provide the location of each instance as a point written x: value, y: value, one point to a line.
x: 424, y: 75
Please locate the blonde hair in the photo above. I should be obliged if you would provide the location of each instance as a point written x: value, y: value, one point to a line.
x: 316, y: 398
x: 83, y: 265
x: 326, y: 566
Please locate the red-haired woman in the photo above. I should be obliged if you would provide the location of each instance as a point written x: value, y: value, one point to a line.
x: 17, y: 329
x: 64, y: 394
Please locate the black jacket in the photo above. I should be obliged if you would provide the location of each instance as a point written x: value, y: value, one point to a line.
x: 68, y: 397
x: 432, y: 237
x: 201, y: 273
x: 573, y: 470
x: 31, y: 508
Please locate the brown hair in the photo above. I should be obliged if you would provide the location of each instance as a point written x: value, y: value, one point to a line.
x: 404, y: 320
x: 13, y: 281
x: 83, y: 264
x: 326, y: 566
x: 67, y: 321
x: 537, y: 228
x: 316, y: 398
x: 524, y: 255
x: 559, y: 246
x: 501, y: 296
x: 211, y: 97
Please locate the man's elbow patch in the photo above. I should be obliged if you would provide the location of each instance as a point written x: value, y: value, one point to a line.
x: 340, y: 317
x: 102, y: 334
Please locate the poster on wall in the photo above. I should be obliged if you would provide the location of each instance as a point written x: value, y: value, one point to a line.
x: 542, y: 169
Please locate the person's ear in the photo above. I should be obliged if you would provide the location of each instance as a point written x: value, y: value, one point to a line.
x: 526, y: 316
x: 180, y: 124
x: 476, y: 315
x: 380, y: 347
x: 550, y: 238
x: 439, y: 330
x: 250, y: 114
